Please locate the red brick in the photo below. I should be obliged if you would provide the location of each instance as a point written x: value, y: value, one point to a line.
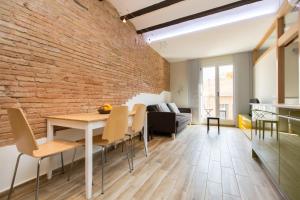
x: 51, y: 65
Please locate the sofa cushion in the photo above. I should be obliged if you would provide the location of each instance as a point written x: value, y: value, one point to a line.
x: 173, y: 108
x: 186, y: 115
x: 162, y: 107
x: 183, y: 117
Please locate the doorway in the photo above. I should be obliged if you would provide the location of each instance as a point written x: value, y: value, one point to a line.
x: 217, y: 93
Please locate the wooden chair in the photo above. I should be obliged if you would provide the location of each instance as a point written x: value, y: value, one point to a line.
x: 137, y: 125
x: 114, y: 132
x: 26, y: 144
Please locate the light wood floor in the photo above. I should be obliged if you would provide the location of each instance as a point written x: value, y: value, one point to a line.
x: 194, y: 166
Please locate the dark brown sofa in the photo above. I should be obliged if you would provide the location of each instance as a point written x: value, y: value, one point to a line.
x: 167, y: 118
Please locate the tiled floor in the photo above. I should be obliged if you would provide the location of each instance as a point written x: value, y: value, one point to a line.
x: 196, y: 165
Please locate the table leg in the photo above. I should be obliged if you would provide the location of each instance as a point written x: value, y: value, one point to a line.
x: 146, y: 135
x: 207, y: 124
x: 218, y: 126
x: 88, y: 161
x: 50, y: 134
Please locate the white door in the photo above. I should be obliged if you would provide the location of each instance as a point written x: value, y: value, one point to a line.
x: 216, y: 92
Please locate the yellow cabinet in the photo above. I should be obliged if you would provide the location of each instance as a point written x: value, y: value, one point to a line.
x: 244, y: 123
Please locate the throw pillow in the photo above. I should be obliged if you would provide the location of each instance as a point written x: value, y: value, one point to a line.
x: 163, y: 108
x: 173, y: 108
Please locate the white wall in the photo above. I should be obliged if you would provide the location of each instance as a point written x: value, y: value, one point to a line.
x: 149, y: 99
x: 243, y: 89
x: 27, y: 166
x: 264, y: 78
x: 242, y: 79
x: 179, y: 83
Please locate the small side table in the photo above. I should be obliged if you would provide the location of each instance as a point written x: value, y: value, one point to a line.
x: 213, y: 118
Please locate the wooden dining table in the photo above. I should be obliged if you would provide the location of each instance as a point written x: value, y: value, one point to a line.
x: 87, y: 122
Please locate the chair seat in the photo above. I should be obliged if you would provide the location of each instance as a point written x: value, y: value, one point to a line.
x: 54, y: 147
x: 97, y: 140
x: 131, y: 133
x: 269, y: 120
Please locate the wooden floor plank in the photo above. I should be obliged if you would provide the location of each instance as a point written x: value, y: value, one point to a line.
x: 194, y: 166
x: 213, y: 191
x: 214, y: 172
x: 229, y: 182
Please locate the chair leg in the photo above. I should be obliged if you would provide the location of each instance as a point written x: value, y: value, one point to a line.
x: 271, y: 129
x: 263, y: 130
x: 144, y: 145
x: 132, y: 151
x: 277, y: 132
x: 259, y: 129
x: 102, y: 170
x: 132, y: 146
x: 105, y: 155
x: 256, y: 127
x: 71, y: 167
x: 62, y: 162
x: 37, y: 185
x: 127, y: 152
x: 14, y: 176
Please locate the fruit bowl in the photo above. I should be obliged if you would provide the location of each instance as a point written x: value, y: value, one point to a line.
x: 101, y: 111
x: 105, y: 109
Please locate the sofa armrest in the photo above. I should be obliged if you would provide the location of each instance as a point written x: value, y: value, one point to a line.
x: 162, y: 121
x: 185, y: 110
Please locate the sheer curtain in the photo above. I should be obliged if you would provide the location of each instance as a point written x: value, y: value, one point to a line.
x: 243, y: 88
x: 194, y: 89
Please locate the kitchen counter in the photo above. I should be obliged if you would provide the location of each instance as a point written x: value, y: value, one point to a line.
x: 287, y: 106
x: 278, y: 145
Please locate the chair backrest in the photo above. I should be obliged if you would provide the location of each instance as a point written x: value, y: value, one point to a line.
x: 24, y: 137
x: 139, y: 117
x: 117, y: 124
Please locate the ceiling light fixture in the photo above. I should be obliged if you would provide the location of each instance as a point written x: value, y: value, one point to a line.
x: 124, y: 21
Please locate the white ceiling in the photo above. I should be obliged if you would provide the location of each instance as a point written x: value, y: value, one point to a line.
x: 236, y: 30
x: 178, y: 10
x: 231, y: 38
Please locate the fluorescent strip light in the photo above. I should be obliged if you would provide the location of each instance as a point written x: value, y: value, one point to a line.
x: 226, y: 17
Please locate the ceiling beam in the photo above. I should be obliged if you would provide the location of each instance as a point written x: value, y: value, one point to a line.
x: 149, y: 9
x: 198, y: 15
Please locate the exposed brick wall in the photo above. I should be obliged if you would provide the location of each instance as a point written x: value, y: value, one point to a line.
x: 57, y: 57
